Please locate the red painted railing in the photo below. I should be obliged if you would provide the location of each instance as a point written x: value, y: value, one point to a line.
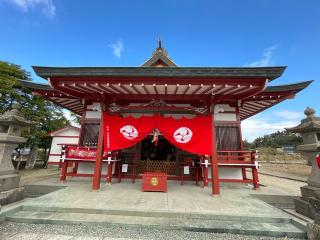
x: 237, y: 155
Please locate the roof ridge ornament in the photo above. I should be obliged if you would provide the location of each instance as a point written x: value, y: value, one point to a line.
x: 159, y: 42
x: 159, y: 57
x: 160, y: 49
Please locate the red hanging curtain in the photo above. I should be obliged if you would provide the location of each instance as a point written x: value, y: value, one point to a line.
x: 124, y: 132
x: 192, y: 135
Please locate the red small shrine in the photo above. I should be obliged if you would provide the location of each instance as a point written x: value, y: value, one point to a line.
x: 183, y: 123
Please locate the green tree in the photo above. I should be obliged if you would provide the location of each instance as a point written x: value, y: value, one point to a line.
x: 45, y: 115
x: 277, y: 140
x: 10, y: 89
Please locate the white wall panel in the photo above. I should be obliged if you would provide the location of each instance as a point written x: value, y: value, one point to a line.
x: 228, y: 117
x: 228, y: 173
x: 89, y: 168
x: 93, y: 114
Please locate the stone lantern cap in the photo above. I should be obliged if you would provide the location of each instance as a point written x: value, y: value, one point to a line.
x: 309, y: 124
x: 14, y: 116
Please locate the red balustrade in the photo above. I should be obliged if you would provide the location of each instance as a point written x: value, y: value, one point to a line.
x: 235, y: 159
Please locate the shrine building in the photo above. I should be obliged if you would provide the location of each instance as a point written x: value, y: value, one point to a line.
x: 160, y: 121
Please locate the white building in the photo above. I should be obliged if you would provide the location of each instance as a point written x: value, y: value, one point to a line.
x: 67, y: 135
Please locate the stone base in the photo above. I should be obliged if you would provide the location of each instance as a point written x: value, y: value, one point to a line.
x: 9, y: 181
x: 309, y: 191
x: 315, y: 209
x: 313, y: 231
x: 302, y: 206
x: 11, y: 196
x: 309, y: 204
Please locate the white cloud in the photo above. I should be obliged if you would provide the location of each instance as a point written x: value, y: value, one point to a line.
x: 290, y: 115
x: 266, y: 58
x: 258, y: 126
x: 68, y: 116
x: 46, y: 6
x: 117, y: 48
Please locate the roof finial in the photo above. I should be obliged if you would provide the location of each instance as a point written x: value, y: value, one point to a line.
x: 159, y: 42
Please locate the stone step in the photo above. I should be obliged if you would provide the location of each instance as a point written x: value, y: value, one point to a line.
x: 204, y: 216
x: 177, y: 223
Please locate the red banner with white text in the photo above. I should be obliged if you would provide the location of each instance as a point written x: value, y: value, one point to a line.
x: 192, y: 135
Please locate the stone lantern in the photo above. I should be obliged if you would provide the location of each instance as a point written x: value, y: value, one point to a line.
x: 12, y: 125
x: 309, y: 203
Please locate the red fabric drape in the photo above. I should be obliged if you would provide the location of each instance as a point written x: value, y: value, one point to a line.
x: 124, y: 132
x: 192, y: 135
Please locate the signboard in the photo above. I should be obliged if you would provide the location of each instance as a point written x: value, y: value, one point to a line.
x: 186, y: 170
x: 124, y: 168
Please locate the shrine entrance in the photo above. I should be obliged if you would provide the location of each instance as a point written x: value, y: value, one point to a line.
x: 163, y: 150
x: 158, y: 156
x: 164, y: 157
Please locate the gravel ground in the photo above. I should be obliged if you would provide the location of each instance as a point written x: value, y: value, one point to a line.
x: 21, y: 231
x: 295, y: 171
x: 37, y: 174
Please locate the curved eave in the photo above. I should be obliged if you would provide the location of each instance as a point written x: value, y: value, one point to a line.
x: 297, y: 87
x: 168, y: 72
x: 271, y: 96
x: 35, y: 86
x: 61, y: 99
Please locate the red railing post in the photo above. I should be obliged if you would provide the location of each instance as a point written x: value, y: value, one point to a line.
x: 63, y: 171
x: 255, y: 176
x: 244, y: 171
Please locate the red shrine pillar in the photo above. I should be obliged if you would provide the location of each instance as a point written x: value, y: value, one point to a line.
x: 214, y: 160
x: 99, y: 156
x: 244, y: 171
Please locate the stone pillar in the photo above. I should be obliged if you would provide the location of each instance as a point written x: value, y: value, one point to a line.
x: 309, y: 203
x: 12, y: 124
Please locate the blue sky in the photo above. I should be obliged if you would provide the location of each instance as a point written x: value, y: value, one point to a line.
x: 195, y: 33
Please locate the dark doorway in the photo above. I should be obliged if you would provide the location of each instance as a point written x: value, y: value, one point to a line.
x: 164, y: 150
